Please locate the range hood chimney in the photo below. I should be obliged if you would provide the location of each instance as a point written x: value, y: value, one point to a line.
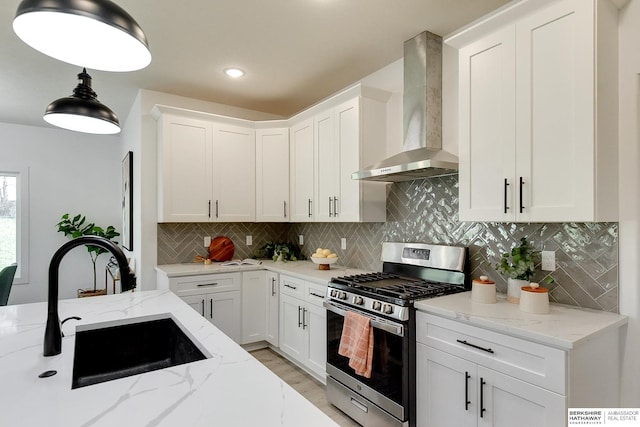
x: 422, y: 155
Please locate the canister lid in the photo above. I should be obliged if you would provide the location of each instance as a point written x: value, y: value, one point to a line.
x: 534, y: 287
x: 484, y: 280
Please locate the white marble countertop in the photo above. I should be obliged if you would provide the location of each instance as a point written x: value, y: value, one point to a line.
x: 306, y: 270
x: 229, y: 389
x: 563, y: 327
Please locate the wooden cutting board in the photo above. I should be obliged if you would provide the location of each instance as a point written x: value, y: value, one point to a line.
x: 221, y: 249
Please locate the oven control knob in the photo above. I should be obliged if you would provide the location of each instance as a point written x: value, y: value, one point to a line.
x: 377, y: 305
x: 387, y: 309
x: 334, y: 293
x: 342, y: 295
x: 358, y: 300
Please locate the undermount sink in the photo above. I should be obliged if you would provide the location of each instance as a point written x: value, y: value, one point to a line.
x: 106, y: 353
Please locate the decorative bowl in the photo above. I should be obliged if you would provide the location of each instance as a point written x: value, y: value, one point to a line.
x: 324, y: 263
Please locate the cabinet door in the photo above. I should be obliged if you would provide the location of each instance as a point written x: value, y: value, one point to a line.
x: 487, y: 128
x: 254, y: 306
x: 291, y: 333
x: 327, y: 166
x: 511, y: 402
x: 301, y: 171
x: 184, y: 169
x: 273, y: 308
x: 234, y: 184
x: 555, y: 112
x: 315, y: 325
x: 347, y: 118
x: 224, y: 312
x: 197, y: 302
x: 446, y: 389
x: 272, y: 175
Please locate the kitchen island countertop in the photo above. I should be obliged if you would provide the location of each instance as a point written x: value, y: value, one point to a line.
x: 230, y: 388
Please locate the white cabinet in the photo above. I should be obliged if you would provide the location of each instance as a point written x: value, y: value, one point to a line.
x: 215, y: 296
x: 301, y: 167
x: 272, y: 175
x: 303, y: 334
x: 206, y: 167
x: 538, y: 114
x: 273, y: 308
x: 468, y: 375
x: 344, y: 135
x: 255, y: 295
x: 454, y: 391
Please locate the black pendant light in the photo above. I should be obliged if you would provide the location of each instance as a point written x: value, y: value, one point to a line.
x: 97, y: 34
x: 82, y: 112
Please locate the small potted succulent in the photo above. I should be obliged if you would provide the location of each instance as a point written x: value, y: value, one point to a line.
x: 78, y: 226
x: 518, y: 266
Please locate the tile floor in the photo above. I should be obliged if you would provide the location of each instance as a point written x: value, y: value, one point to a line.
x: 303, y: 383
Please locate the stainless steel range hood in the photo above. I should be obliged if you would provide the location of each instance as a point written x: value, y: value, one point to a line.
x: 422, y: 155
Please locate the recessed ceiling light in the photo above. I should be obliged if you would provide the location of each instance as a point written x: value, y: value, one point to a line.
x: 234, y: 72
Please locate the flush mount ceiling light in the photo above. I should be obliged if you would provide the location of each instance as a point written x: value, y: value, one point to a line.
x: 82, y: 112
x: 234, y: 72
x: 97, y: 34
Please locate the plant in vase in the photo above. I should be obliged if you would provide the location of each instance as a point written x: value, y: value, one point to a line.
x: 78, y: 226
x: 519, y: 266
x: 280, y: 252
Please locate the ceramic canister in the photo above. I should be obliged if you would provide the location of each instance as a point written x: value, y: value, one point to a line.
x: 534, y: 299
x: 483, y: 290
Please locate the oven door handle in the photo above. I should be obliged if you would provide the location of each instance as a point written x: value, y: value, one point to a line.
x: 392, y: 328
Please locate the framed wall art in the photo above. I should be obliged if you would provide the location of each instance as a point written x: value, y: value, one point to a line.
x: 127, y: 201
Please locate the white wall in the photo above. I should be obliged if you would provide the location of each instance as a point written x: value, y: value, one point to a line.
x: 629, y: 152
x: 71, y: 173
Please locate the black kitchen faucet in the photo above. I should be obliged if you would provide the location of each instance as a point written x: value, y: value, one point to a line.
x: 53, y: 331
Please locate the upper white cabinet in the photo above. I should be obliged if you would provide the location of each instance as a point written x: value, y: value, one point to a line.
x: 343, y: 135
x: 538, y: 113
x: 206, y: 167
x: 272, y: 175
x: 301, y: 146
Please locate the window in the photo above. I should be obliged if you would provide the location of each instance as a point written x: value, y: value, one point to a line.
x: 14, y: 221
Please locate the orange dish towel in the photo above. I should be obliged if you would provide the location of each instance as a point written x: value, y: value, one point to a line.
x: 356, y: 343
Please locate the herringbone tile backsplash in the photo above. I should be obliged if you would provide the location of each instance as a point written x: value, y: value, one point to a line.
x: 427, y: 211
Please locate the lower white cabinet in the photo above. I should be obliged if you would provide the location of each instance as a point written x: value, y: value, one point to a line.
x: 215, y: 296
x: 469, y: 375
x: 273, y: 309
x: 454, y: 391
x: 303, y: 335
x: 254, y: 306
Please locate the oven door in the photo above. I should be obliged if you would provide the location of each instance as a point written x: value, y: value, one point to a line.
x: 388, y: 386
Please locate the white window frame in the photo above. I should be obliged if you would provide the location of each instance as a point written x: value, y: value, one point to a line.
x: 22, y: 221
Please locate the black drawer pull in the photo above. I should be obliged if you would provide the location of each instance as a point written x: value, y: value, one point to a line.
x: 506, y: 189
x: 290, y: 287
x: 482, y: 408
x: 316, y: 295
x: 488, y: 350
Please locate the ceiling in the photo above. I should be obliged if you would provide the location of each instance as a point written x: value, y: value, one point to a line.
x: 295, y: 52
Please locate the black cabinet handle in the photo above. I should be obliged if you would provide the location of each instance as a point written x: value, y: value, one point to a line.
x: 209, y: 208
x: 309, y: 208
x: 304, y: 318
x: 506, y: 191
x: 330, y: 202
x: 466, y: 390
x: 202, y: 307
x: 273, y: 286
x: 211, y: 308
x: 488, y: 350
x: 521, y: 184
x: 284, y: 205
x: 482, y: 408
x: 299, y: 321
x: 290, y: 287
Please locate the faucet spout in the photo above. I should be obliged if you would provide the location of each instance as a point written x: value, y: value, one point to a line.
x: 53, y: 332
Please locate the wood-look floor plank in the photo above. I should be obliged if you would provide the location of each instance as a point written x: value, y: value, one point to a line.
x: 303, y: 383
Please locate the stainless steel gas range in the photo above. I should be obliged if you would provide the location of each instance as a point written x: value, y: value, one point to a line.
x: 410, y: 272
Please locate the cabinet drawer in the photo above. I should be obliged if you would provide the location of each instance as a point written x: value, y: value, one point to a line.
x: 315, y: 294
x: 209, y: 283
x: 292, y: 286
x: 529, y: 361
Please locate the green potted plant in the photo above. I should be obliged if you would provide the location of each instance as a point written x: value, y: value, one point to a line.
x: 281, y: 251
x: 78, y: 226
x: 518, y: 266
